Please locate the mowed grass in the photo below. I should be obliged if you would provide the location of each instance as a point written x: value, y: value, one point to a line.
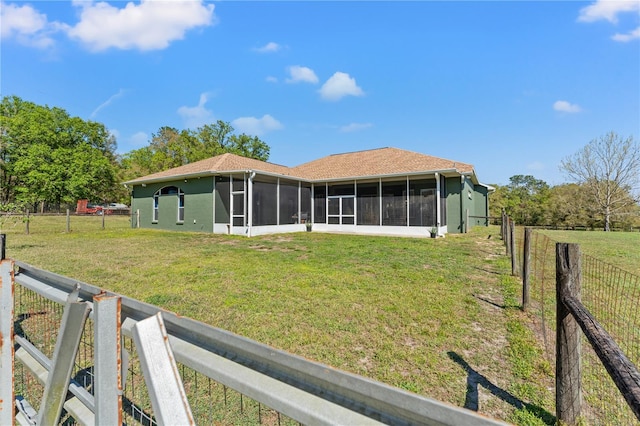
x: 421, y: 314
x: 621, y: 249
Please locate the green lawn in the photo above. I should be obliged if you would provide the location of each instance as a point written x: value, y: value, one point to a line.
x: 428, y: 315
x: 621, y: 249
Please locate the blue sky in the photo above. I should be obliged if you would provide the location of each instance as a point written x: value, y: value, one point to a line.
x: 511, y: 87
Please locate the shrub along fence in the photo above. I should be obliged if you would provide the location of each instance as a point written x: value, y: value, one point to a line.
x: 587, y: 315
x: 74, y: 354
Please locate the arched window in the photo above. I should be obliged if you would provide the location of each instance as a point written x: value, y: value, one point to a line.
x: 169, y: 190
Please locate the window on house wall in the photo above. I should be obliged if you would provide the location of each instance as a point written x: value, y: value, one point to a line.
x: 180, y: 206
x: 156, y: 202
x: 169, y: 191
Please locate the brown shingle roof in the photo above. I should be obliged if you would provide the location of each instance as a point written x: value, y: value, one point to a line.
x: 221, y: 163
x: 375, y: 162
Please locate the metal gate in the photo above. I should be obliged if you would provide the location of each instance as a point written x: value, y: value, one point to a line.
x: 72, y: 353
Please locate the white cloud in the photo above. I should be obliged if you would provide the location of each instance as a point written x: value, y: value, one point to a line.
x: 271, y: 79
x: 631, y: 35
x: 107, y: 102
x: 301, y: 74
x: 270, y: 47
x: 197, y: 116
x: 27, y: 25
x: 256, y: 126
x: 607, y: 9
x: 148, y: 25
x: 338, y: 86
x: 564, y: 106
x: 355, y: 127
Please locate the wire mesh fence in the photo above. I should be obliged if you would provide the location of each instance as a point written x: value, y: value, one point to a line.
x: 611, y: 295
x: 223, y: 378
x: 38, y: 320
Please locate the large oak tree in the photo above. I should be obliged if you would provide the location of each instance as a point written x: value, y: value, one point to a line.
x: 47, y: 156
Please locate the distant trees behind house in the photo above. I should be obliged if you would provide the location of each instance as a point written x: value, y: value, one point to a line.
x: 569, y: 205
x: 49, y: 158
x: 170, y: 147
x: 605, y: 192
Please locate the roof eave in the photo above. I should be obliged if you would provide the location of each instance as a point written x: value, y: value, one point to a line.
x: 207, y: 173
x: 388, y: 175
x: 170, y: 178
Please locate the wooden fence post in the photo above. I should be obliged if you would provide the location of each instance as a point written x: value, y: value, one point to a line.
x: 526, y: 259
x: 3, y: 245
x: 568, y: 374
x: 26, y: 224
x: 513, y: 249
x: 103, y: 215
x: 137, y: 218
x: 507, y: 234
x: 68, y: 222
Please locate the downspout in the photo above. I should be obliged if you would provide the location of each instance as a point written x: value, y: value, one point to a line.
x: 462, y: 203
x: 438, y: 221
x: 380, y: 199
x: 252, y: 174
x: 213, y: 205
x: 407, y: 202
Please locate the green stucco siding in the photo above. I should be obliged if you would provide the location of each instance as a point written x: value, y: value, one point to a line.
x: 198, y: 205
x: 454, y: 204
x: 480, y: 206
x: 460, y: 197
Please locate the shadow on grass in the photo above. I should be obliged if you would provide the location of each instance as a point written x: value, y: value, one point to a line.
x: 491, y: 302
x: 475, y: 379
x: 487, y: 270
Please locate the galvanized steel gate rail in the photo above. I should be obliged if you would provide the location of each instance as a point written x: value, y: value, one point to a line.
x: 306, y: 391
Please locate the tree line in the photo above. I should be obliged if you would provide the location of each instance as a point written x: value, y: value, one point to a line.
x: 606, y: 193
x: 49, y: 159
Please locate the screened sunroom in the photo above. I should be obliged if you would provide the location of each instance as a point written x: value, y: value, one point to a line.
x: 254, y: 204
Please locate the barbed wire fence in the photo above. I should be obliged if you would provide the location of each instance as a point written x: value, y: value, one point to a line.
x: 611, y: 296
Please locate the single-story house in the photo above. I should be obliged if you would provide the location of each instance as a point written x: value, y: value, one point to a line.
x: 379, y: 191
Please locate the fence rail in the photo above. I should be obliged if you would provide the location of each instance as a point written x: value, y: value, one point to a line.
x: 217, y: 369
x: 576, y: 299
